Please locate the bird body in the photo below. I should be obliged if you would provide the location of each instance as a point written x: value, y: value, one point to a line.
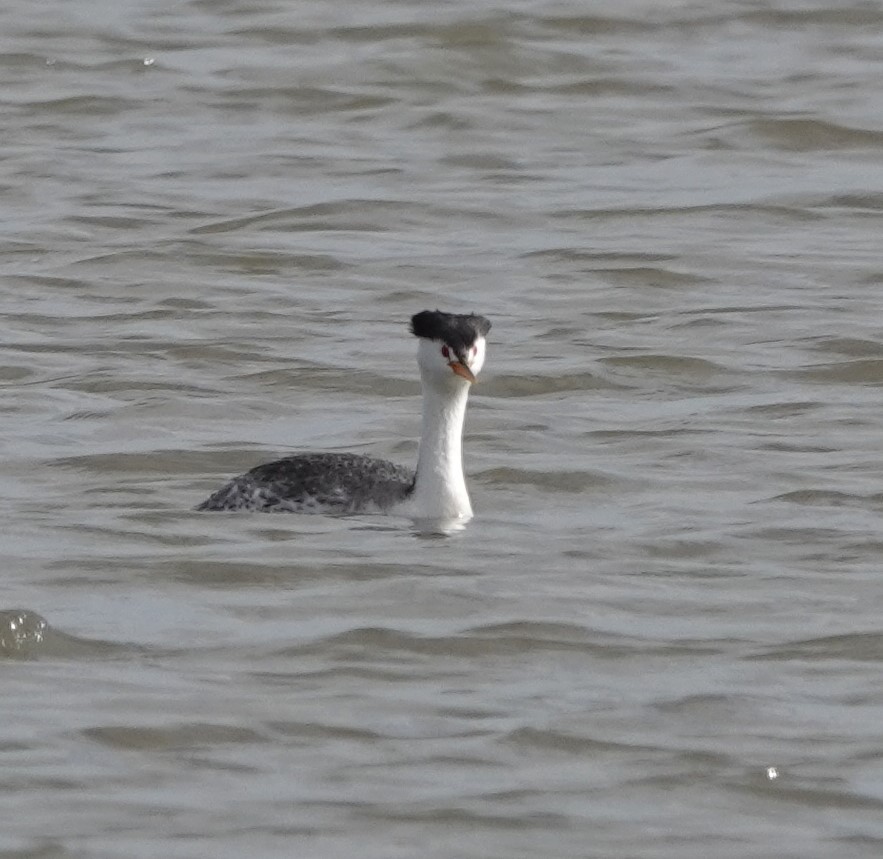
x: 450, y: 353
x: 316, y: 482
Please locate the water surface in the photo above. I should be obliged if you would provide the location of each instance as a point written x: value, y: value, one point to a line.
x: 218, y: 219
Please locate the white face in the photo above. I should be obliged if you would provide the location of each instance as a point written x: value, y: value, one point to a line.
x: 436, y: 362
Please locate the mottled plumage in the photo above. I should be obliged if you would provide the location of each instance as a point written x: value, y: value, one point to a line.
x: 316, y: 482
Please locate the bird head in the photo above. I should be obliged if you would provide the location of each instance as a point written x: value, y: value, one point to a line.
x: 452, y: 346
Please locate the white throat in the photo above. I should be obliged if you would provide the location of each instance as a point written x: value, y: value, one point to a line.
x: 440, y: 487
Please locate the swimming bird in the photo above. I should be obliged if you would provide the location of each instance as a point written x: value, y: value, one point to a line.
x: 450, y: 355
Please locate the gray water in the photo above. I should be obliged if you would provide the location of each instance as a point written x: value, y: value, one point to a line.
x: 661, y: 635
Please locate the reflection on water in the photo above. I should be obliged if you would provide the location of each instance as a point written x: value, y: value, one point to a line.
x: 439, y: 527
x: 219, y: 218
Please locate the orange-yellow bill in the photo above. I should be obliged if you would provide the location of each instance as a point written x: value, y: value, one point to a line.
x: 462, y: 370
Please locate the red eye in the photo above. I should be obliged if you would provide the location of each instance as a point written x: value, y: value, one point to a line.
x: 445, y: 352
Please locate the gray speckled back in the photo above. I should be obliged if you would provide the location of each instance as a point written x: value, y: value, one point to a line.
x: 316, y: 483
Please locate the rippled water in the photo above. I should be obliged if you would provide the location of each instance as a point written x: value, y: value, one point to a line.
x: 660, y: 636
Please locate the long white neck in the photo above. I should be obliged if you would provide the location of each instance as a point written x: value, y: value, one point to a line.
x: 440, y: 487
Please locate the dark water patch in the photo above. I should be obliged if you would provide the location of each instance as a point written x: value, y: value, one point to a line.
x: 337, y: 380
x: 18, y: 60
x: 343, y: 215
x: 570, y: 254
x: 698, y: 322
x: 581, y: 25
x: 869, y: 202
x: 682, y: 549
x: 335, y: 674
x: 829, y: 498
x: 489, y: 32
x: 832, y: 799
x: 260, y: 263
x: 868, y: 371
x: 309, y: 732
x: 183, y: 304
x: 162, y: 462
x: 112, y: 222
x: 250, y: 574
x: 784, y: 410
x: 24, y: 634
x: 735, y: 209
x: 82, y: 105
x: 113, y: 382
x: 557, y: 741
x: 668, y: 365
x: 306, y: 101
x: 536, y: 386
x: 846, y: 15
x: 645, y: 435
x: 851, y: 347
x: 173, y: 738
x: 43, y: 282
x: 552, y: 481
x: 648, y: 276
x: 813, y: 135
x: 704, y: 705
x: 15, y: 375
x: 804, y: 538
x: 368, y: 33
x: 366, y: 644
x: 598, y: 85
x: 129, y: 498
x: 796, y: 447
x: 626, y: 315
x: 856, y: 647
x: 469, y: 817
x: 480, y: 161
x: 562, y: 333
x: 446, y: 120
x: 765, y: 309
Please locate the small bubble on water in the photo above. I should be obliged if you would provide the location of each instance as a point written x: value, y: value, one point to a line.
x: 772, y: 773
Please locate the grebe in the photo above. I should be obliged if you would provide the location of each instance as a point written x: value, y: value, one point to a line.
x: 450, y: 354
